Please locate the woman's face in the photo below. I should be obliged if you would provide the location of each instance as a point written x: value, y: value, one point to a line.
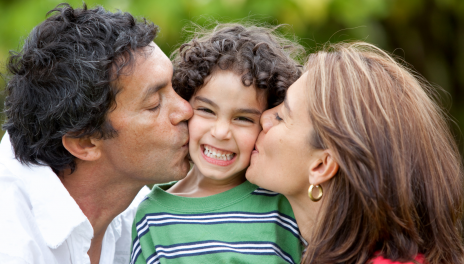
x: 281, y: 160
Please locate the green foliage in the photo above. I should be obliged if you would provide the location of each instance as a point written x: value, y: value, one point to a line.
x: 428, y: 34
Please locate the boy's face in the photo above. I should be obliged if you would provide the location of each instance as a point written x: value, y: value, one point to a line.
x: 224, y: 126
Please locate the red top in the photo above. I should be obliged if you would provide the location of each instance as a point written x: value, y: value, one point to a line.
x: 381, y: 260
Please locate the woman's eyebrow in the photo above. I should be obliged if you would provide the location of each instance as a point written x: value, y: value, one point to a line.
x: 205, y: 100
x: 286, y: 105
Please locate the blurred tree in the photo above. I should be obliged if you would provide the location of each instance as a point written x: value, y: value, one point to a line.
x: 428, y: 34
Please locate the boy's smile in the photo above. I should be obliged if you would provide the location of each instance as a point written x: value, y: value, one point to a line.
x: 217, y: 156
x: 224, y: 127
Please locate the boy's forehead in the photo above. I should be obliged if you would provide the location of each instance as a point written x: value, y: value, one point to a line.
x: 227, y: 91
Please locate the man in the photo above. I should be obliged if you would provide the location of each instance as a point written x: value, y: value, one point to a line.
x: 92, y: 118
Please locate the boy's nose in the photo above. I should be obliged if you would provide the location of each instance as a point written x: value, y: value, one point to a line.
x: 221, y: 130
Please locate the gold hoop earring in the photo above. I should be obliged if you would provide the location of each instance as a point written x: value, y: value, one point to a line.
x: 310, y: 193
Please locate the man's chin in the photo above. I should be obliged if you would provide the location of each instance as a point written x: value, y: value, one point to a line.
x: 183, y: 170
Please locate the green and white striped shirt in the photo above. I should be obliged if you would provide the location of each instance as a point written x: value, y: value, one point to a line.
x: 246, y: 224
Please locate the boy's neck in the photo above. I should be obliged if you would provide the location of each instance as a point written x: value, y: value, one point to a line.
x: 195, y: 184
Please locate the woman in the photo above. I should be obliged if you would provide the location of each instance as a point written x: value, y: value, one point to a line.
x: 366, y: 160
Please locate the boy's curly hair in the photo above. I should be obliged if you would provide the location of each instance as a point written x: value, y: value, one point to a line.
x: 261, y: 56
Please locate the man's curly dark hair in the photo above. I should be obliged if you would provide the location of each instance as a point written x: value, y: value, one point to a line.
x: 60, y: 82
x: 259, y: 55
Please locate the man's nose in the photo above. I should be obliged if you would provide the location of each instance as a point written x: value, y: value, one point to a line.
x: 267, y: 119
x: 182, y: 109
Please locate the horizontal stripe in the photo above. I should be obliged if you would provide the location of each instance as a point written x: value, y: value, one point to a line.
x: 214, y: 247
x: 164, y: 219
x: 261, y: 191
x: 212, y: 216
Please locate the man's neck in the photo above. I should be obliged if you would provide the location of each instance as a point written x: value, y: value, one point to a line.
x: 100, y: 196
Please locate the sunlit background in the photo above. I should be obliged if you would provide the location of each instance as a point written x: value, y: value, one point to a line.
x: 428, y: 34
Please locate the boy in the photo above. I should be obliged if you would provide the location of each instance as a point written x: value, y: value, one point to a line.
x: 230, y: 75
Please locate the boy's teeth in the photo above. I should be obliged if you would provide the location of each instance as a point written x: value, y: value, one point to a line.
x: 217, y: 154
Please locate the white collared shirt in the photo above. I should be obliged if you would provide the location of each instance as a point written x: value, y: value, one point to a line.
x: 41, y: 223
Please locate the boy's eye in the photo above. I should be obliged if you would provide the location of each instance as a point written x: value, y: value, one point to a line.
x: 277, y: 117
x: 246, y: 119
x: 206, y: 110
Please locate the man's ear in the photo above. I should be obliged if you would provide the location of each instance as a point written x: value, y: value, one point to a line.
x: 85, y: 148
x: 323, y: 168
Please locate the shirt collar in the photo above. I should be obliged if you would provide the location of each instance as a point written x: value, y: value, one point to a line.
x: 56, y: 212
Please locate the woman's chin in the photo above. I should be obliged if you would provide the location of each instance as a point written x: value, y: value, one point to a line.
x: 251, y: 173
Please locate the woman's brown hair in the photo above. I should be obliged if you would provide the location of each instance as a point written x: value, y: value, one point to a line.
x: 399, y: 189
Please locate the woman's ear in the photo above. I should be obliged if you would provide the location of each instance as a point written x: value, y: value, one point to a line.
x: 323, y: 168
x: 85, y: 148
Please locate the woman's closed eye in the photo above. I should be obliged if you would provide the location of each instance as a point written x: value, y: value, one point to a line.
x: 277, y: 117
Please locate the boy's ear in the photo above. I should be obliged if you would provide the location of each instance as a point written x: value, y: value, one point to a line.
x: 85, y: 148
x: 323, y: 168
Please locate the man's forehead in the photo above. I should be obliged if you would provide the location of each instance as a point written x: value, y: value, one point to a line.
x: 149, y: 65
x: 156, y: 56
x: 160, y: 67
x: 154, y: 50
x: 127, y: 61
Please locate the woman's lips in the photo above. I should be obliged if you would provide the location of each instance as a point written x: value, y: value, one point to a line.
x: 255, y: 150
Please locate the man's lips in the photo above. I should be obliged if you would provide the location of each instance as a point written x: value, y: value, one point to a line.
x: 186, y: 143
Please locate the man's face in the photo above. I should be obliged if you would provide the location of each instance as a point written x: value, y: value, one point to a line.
x: 151, y: 145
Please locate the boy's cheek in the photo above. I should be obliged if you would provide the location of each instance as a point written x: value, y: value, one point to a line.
x: 248, y: 143
x: 195, y: 126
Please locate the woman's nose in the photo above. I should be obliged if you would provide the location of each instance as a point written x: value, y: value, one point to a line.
x: 267, y: 119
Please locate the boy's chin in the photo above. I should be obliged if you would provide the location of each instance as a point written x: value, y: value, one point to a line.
x: 220, y: 176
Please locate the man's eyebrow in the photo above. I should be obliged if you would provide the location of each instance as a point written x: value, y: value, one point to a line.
x: 249, y: 111
x: 154, y: 89
x: 205, y: 100
x: 287, y: 106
